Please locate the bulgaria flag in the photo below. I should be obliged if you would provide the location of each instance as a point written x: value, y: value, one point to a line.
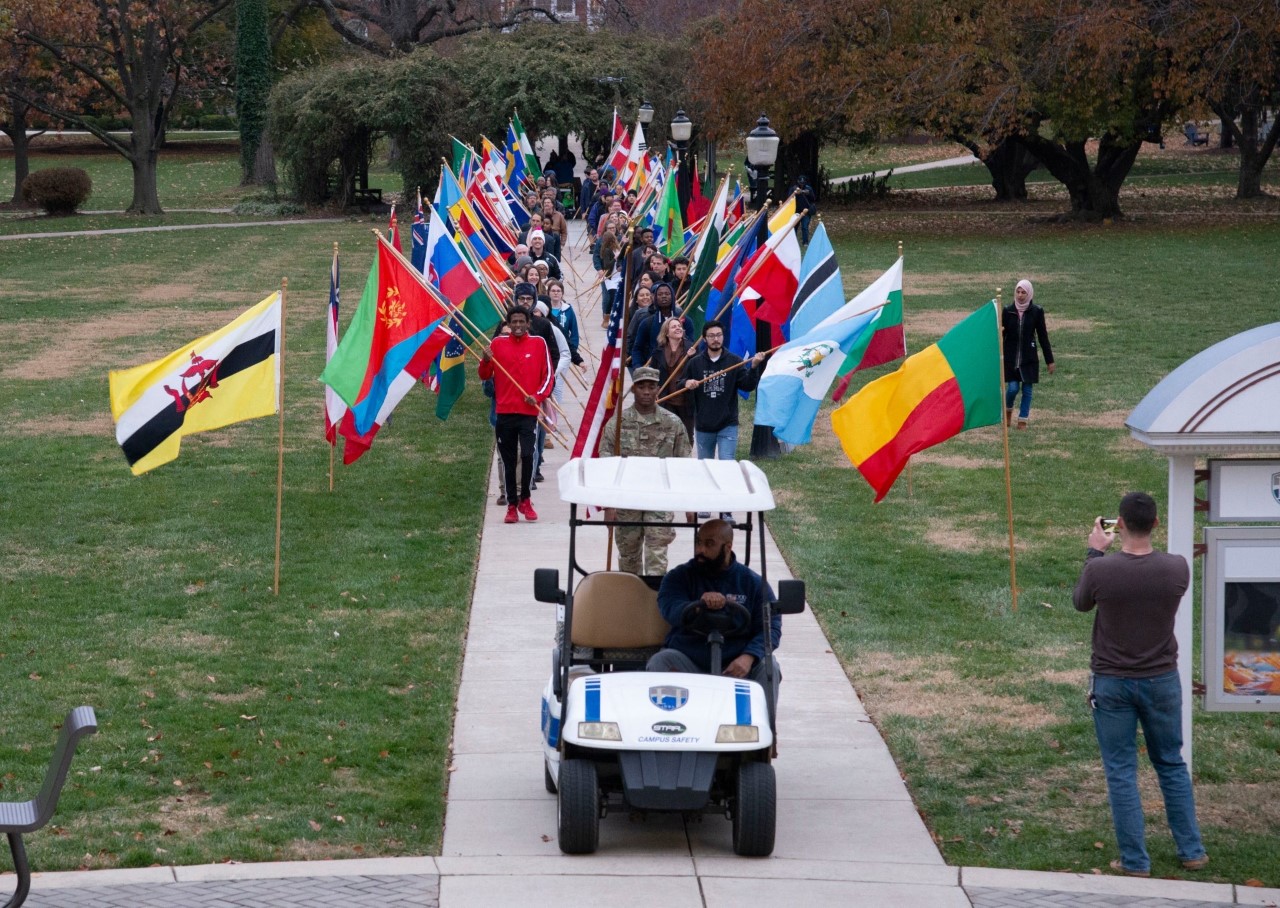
x: 222, y: 378
x: 889, y: 341
x: 945, y: 389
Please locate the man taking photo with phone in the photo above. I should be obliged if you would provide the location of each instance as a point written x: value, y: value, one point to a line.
x: 1136, y: 592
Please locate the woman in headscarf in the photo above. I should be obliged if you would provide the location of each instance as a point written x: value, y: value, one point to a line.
x: 1022, y: 323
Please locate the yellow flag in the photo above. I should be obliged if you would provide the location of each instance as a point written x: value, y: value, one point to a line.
x: 228, y: 376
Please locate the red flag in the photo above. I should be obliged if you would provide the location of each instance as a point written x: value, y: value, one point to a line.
x: 699, y: 204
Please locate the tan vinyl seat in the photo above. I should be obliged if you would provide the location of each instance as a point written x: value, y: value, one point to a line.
x: 616, y: 610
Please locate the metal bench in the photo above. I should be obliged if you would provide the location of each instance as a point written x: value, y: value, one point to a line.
x: 1194, y: 135
x: 17, y: 817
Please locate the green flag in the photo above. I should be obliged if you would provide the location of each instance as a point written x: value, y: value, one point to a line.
x: 669, y: 217
x: 526, y: 147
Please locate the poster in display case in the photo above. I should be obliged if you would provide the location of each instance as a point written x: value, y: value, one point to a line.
x: 1242, y: 619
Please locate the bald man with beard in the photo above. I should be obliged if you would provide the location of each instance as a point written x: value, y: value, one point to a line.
x: 712, y: 578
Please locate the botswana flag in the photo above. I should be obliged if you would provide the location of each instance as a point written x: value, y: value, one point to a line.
x: 225, y: 377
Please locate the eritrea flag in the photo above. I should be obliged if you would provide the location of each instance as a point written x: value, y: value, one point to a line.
x: 396, y: 316
x: 949, y: 387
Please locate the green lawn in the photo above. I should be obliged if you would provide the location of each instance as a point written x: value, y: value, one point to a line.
x: 238, y: 725
x: 983, y: 708
x: 235, y: 724
x: 186, y: 179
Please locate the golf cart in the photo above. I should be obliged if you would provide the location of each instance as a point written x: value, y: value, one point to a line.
x: 616, y: 737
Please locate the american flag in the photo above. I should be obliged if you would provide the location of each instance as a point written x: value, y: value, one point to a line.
x: 604, y: 391
x: 334, y: 406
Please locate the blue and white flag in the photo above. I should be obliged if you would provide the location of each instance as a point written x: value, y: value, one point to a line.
x: 800, y: 374
x: 821, y: 290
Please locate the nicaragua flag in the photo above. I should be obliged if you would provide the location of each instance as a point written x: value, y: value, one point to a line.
x: 799, y: 375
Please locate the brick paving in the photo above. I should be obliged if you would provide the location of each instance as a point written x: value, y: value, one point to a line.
x: 416, y: 891
x: 982, y: 897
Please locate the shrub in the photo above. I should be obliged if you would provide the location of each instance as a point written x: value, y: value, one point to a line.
x: 58, y: 190
x: 864, y: 189
x: 217, y: 121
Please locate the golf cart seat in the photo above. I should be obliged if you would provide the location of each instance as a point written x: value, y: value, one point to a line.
x: 615, y: 615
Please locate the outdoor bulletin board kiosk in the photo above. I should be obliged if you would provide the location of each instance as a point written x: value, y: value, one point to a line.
x: 1224, y: 404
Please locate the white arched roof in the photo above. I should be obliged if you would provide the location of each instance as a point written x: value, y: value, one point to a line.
x: 1224, y: 400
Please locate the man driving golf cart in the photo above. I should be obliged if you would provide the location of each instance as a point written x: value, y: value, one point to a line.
x: 715, y: 581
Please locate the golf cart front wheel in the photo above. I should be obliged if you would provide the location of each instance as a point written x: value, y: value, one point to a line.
x: 755, y: 811
x: 578, y: 807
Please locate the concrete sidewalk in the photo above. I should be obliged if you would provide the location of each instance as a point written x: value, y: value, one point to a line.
x: 848, y: 832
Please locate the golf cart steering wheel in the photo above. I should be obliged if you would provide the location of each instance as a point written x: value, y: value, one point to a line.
x: 734, y: 620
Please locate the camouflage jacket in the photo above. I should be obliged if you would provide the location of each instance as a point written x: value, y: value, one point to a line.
x: 660, y: 434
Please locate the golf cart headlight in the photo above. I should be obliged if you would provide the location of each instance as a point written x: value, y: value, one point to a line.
x: 738, y: 734
x: 599, y: 731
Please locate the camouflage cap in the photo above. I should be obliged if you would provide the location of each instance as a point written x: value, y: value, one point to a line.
x: 645, y: 373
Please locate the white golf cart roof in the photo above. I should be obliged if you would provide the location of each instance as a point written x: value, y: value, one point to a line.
x: 665, y: 484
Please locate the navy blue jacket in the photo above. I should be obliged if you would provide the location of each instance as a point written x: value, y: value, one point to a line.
x: 687, y: 582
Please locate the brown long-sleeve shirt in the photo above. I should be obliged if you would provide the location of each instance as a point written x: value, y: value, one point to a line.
x: 1137, y: 598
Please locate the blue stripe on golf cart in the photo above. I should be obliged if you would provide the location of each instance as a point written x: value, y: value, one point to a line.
x: 742, y: 696
x: 593, y: 699
x: 550, y: 725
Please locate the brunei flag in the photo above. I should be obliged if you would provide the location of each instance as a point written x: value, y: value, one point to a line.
x: 228, y: 376
x: 952, y: 386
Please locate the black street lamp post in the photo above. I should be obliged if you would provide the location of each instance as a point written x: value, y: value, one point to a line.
x: 681, y: 132
x: 762, y: 152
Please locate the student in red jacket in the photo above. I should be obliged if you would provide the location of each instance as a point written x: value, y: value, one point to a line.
x: 522, y: 383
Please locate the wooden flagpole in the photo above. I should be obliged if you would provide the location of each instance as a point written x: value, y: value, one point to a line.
x: 333, y: 446
x: 910, y: 487
x: 284, y: 292
x: 1008, y: 478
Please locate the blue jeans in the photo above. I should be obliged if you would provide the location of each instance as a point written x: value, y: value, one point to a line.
x: 1121, y: 703
x: 1011, y: 392
x: 722, y: 445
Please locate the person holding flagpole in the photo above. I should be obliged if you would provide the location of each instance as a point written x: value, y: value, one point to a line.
x: 520, y: 367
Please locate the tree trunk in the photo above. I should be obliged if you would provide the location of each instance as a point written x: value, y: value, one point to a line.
x: 16, y: 130
x: 1008, y: 163
x: 264, y: 163
x: 1094, y: 190
x: 799, y: 156
x: 144, y: 148
x: 1226, y: 135
x: 1254, y: 153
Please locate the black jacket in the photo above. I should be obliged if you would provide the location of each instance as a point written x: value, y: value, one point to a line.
x: 1020, y: 340
x: 715, y: 404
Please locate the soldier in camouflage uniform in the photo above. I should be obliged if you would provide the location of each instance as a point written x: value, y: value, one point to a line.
x: 647, y: 431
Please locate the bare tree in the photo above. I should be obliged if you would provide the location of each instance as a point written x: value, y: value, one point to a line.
x: 387, y: 27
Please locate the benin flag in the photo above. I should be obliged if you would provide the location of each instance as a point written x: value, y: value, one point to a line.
x: 228, y: 376
x: 941, y: 391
